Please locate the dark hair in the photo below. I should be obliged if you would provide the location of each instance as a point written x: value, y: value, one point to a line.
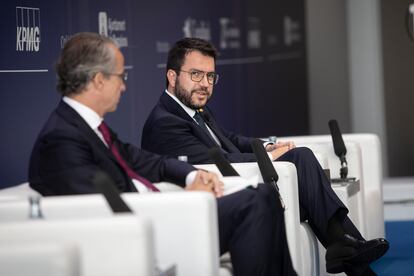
x: 82, y: 57
x: 181, y: 48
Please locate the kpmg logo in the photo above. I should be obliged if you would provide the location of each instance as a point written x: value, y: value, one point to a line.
x: 27, y: 29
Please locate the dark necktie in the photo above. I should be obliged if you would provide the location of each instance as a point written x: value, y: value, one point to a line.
x: 103, y: 128
x: 200, y: 121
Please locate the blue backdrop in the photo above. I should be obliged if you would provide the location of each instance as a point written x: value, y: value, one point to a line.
x: 262, y: 65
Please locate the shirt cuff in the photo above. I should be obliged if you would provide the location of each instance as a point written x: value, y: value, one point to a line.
x: 189, y: 179
x: 268, y: 153
x: 267, y: 143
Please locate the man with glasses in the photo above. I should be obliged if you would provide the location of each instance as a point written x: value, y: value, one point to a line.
x: 182, y: 124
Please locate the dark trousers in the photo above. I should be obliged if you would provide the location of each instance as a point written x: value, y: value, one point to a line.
x: 252, y: 228
x: 318, y: 202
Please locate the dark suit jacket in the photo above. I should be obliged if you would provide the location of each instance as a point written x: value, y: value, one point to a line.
x: 68, y: 153
x: 170, y: 130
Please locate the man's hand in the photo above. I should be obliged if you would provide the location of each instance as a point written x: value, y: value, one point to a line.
x: 206, y: 181
x: 289, y: 144
x: 280, y: 148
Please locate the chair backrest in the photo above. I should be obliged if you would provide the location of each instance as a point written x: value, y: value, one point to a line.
x: 107, y: 246
x: 36, y: 258
x: 185, y: 227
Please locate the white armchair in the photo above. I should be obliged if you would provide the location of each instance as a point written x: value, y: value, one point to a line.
x: 367, y: 167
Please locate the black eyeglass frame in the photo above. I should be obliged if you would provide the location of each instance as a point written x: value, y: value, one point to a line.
x: 211, y: 80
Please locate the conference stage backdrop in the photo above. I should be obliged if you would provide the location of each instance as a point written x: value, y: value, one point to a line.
x: 262, y: 65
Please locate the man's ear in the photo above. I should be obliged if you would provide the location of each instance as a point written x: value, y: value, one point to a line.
x: 98, y: 81
x: 172, y: 77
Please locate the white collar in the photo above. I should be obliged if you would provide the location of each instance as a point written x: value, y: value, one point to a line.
x: 90, y: 116
x: 191, y: 112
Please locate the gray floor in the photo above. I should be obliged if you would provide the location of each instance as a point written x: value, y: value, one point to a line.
x: 398, y: 194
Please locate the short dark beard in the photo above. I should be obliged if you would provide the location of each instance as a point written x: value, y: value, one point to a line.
x: 185, y: 96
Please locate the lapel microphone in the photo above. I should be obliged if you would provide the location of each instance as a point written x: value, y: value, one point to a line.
x: 205, y: 115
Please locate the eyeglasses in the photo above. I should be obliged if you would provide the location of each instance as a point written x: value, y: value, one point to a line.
x: 197, y: 76
x: 123, y: 76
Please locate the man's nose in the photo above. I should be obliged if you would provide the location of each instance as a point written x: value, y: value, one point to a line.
x: 123, y: 87
x: 204, y: 81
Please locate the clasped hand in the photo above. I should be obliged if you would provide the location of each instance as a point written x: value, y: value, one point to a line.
x: 280, y: 148
x: 208, y: 182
